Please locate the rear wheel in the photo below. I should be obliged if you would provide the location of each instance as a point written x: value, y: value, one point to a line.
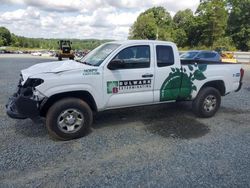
x: 59, y: 58
x: 207, y: 102
x: 68, y: 119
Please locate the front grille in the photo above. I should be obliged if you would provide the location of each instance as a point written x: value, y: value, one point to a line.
x: 66, y: 50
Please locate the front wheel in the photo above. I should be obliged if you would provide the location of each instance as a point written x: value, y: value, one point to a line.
x: 68, y: 119
x: 207, y: 102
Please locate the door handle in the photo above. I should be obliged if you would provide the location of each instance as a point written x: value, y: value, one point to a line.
x: 147, y: 75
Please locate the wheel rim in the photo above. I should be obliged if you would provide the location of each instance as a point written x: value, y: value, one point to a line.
x: 70, y: 121
x: 210, y: 103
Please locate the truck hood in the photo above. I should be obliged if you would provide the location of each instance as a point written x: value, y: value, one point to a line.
x: 52, y: 67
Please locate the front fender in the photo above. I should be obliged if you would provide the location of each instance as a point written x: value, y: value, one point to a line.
x: 71, y: 88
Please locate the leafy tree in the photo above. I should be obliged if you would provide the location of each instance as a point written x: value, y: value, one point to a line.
x: 184, y: 19
x: 1, y: 41
x: 154, y: 23
x: 144, y: 28
x: 239, y: 23
x: 5, y: 36
x: 212, y: 19
x: 184, y: 23
x: 225, y: 43
x: 180, y: 37
x: 162, y: 17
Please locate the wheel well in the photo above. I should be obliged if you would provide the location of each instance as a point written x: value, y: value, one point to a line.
x: 84, y: 95
x: 217, y: 84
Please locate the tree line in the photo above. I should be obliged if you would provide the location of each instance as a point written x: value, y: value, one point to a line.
x: 10, y: 39
x: 216, y: 24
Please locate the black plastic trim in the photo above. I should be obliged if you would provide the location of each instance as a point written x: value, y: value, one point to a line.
x: 21, y: 107
x: 239, y: 88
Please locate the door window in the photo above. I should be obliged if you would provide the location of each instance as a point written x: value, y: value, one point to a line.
x: 134, y: 57
x: 207, y: 55
x: 165, y: 56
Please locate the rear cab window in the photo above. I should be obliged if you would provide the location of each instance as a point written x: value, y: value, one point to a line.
x: 164, y: 55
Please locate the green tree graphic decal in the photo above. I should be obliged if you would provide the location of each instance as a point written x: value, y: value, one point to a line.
x: 179, y: 84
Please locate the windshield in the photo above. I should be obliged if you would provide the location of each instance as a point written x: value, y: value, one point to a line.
x: 188, y: 55
x: 98, y: 55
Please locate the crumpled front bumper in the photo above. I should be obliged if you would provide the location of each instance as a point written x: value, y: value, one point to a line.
x: 22, y: 107
x: 22, y: 104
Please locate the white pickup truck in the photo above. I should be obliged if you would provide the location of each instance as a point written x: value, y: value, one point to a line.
x: 118, y: 75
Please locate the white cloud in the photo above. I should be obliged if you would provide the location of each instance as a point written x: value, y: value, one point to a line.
x: 85, y: 6
x: 48, y: 22
x: 12, y: 1
x: 123, y: 19
x: 80, y: 18
x: 20, y: 14
x: 56, y: 5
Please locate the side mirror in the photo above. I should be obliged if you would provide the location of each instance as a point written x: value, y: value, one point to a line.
x: 116, y: 64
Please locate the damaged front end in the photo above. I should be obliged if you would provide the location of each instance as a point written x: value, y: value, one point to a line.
x: 26, y: 101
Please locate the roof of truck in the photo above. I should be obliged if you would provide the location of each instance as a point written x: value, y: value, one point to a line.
x: 124, y: 42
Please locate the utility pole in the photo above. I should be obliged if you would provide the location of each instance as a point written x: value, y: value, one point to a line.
x: 157, y: 35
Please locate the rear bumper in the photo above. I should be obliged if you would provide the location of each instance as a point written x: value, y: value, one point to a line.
x: 21, y: 107
x: 64, y: 55
x: 239, y: 88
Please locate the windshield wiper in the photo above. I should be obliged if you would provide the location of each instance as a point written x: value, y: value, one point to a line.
x: 86, y: 63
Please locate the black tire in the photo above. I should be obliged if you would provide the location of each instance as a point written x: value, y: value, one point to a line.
x: 73, y: 108
x: 207, y: 102
x: 59, y: 58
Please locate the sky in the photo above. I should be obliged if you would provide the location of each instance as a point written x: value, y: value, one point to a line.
x: 82, y: 19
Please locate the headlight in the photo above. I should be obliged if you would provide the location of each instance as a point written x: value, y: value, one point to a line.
x: 33, y: 82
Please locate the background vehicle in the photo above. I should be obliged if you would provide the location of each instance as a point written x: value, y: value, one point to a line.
x: 118, y: 75
x: 201, y: 55
x: 65, y: 50
x: 36, y: 54
x: 228, y: 57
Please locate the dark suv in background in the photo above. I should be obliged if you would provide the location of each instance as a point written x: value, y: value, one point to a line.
x: 201, y: 55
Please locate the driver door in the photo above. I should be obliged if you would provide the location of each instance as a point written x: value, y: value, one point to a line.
x: 132, y: 84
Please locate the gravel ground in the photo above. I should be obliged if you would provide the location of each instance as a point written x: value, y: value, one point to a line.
x: 155, y: 146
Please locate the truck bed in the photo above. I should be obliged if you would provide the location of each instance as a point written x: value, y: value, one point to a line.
x: 186, y: 62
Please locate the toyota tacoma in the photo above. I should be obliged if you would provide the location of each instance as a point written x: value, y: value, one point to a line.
x: 117, y: 75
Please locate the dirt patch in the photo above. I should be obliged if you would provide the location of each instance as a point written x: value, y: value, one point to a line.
x: 170, y: 120
x: 182, y: 128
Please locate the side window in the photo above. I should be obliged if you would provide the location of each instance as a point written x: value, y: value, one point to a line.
x: 207, y: 55
x: 165, y: 56
x: 201, y: 55
x: 211, y: 55
x: 135, y: 57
